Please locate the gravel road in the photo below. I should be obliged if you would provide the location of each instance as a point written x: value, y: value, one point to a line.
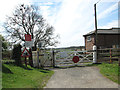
x: 79, y: 77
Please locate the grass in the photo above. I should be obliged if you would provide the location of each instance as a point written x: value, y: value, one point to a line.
x: 109, y: 70
x: 21, y: 77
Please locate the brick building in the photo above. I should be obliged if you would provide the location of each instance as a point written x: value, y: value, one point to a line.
x: 106, y: 38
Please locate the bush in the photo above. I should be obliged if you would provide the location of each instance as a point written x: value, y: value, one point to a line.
x: 6, y: 54
x: 16, y: 54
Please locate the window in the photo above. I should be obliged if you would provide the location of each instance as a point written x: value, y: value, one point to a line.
x: 88, y: 38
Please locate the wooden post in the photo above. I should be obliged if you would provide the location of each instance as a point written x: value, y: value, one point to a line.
x: 38, y: 58
x: 95, y: 25
x: 25, y: 62
x: 96, y: 36
x: 119, y: 60
x: 40, y: 61
x: 30, y: 58
x: 110, y: 56
x: 53, y: 58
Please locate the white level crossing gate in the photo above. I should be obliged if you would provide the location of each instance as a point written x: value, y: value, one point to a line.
x: 65, y: 58
x: 62, y: 58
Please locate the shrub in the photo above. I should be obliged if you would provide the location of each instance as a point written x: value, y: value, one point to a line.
x: 16, y: 54
x: 6, y: 54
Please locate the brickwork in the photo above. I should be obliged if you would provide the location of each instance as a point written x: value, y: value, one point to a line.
x: 89, y: 44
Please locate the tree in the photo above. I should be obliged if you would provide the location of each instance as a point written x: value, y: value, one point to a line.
x: 26, y: 19
x: 5, y: 48
x: 4, y: 43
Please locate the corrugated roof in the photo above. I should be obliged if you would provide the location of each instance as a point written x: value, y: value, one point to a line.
x: 105, y: 31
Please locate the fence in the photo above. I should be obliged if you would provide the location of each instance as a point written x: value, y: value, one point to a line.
x: 108, y: 54
x: 42, y: 58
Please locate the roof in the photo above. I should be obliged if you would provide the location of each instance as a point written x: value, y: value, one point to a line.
x: 105, y: 31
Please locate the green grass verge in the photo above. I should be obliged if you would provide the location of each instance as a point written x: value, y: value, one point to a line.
x: 109, y: 70
x: 19, y: 77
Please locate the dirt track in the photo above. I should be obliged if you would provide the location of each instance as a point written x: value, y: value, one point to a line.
x: 79, y: 77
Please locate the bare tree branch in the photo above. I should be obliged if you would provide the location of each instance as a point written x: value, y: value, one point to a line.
x: 27, y: 20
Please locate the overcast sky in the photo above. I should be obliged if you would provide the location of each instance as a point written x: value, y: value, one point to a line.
x: 70, y: 18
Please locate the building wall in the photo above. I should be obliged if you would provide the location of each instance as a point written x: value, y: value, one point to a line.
x: 108, y: 41
x: 104, y: 41
x: 89, y: 44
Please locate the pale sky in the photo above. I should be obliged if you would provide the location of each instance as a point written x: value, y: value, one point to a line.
x: 70, y: 18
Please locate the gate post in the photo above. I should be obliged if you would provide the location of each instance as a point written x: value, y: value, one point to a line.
x: 94, y: 54
x: 38, y: 57
x: 53, y: 58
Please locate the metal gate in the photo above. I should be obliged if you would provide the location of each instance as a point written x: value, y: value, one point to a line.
x: 65, y: 58
x: 61, y: 58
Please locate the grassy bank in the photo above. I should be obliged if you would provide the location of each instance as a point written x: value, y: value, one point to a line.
x: 109, y: 70
x: 20, y: 77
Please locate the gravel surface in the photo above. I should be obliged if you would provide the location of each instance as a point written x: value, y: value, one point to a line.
x: 79, y: 77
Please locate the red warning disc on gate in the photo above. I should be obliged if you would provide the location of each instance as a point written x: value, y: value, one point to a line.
x: 75, y: 59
